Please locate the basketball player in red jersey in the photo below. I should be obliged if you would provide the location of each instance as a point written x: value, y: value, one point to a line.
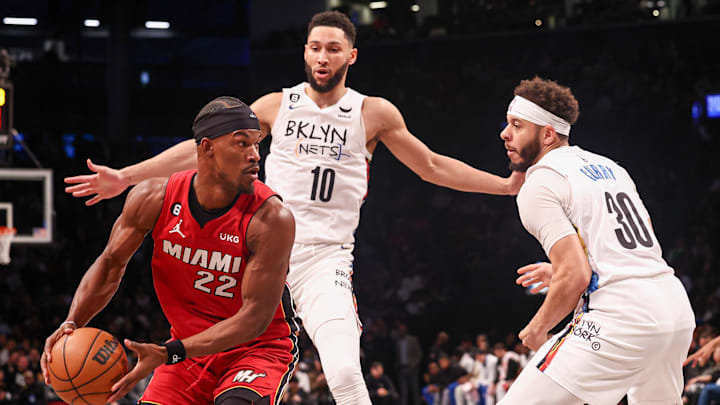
x: 323, y: 137
x: 221, y: 255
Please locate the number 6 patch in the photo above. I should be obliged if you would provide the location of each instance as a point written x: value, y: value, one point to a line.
x: 176, y: 209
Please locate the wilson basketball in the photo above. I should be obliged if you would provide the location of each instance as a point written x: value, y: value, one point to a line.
x: 85, y: 365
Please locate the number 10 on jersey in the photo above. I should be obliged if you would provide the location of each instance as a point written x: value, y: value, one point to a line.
x: 326, y: 180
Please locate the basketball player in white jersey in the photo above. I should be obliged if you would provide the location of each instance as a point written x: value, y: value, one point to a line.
x: 323, y: 136
x: 632, y: 321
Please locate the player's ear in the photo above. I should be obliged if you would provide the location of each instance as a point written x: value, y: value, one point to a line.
x: 548, y: 134
x: 206, y: 145
x: 353, y: 56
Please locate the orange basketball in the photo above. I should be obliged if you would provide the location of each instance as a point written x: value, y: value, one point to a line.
x: 85, y: 365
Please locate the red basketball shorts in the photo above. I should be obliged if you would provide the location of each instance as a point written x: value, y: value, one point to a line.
x: 258, y: 372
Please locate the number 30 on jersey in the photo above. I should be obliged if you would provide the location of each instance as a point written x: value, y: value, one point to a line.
x: 633, y: 229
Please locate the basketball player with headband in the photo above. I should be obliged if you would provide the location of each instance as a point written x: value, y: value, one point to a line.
x: 222, y: 242
x: 324, y: 134
x: 632, y: 321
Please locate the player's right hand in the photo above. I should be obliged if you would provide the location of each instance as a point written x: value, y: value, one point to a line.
x: 535, y: 273
x: 105, y: 183
x: 65, y: 328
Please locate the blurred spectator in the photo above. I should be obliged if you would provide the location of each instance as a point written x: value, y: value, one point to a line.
x: 382, y: 390
x: 34, y: 359
x: 482, y: 377
x: 302, y: 377
x: 33, y: 393
x: 6, y: 346
x: 408, y: 355
x: 319, y: 390
x: 377, y: 343
x: 449, y: 376
x: 431, y: 392
x: 294, y: 395
x: 508, y: 369
x: 16, y: 372
x: 441, y: 346
x: 465, y: 353
x: 6, y: 396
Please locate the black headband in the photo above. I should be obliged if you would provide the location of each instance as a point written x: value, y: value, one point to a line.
x: 225, y: 121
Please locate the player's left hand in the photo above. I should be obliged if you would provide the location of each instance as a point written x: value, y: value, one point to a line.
x: 536, y: 273
x: 701, y: 356
x: 514, y: 182
x: 149, y: 357
x: 533, y: 338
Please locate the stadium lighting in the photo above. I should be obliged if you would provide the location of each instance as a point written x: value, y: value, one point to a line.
x: 538, y: 22
x: 19, y: 21
x: 157, y: 25
x: 374, y: 5
x: 415, y: 8
x: 91, y: 23
x: 656, y: 13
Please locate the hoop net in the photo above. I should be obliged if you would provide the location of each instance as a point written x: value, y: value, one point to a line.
x: 6, y: 236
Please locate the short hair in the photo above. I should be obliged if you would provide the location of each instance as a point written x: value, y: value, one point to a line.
x: 376, y: 364
x: 218, y: 104
x: 334, y: 19
x: 551, y: 96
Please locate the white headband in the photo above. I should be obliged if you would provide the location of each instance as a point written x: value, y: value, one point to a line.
x: 527, y: 110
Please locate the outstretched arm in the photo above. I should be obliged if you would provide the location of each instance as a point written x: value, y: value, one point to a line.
x: 107, y: 182
x: 269, y: 238
x: 387, y: 122
x: 102, y: 279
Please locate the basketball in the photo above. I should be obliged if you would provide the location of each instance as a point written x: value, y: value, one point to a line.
x: 85, y: 365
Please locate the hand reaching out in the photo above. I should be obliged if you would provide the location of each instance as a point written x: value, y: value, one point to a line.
x: 105, y: 183
x: 702, y: 355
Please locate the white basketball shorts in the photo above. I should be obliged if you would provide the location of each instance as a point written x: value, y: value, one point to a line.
x: 320, y: 281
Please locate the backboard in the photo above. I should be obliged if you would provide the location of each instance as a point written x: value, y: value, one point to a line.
x: 26, y: 203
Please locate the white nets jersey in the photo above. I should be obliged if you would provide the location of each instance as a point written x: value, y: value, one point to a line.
x: 319, y: 164
x: 608, y: 214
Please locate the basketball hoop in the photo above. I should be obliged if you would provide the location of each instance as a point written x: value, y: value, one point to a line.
x: 6, y: 236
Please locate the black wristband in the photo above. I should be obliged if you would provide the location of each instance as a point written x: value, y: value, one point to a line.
x: 175, y: 350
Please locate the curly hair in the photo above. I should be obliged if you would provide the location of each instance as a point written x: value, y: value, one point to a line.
x: 551, y: 96
x: 334, y: 19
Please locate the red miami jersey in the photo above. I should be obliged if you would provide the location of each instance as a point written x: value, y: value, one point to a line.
x: 198, y: 270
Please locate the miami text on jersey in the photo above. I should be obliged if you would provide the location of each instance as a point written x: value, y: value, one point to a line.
x: 199, y: 257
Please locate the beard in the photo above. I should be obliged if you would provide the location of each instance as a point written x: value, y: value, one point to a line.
x: 527, y: 155
x: 331, y: 83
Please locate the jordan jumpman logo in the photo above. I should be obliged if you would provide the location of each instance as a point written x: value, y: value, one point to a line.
x: 176, y: 229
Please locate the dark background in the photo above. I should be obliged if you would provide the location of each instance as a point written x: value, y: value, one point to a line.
x: 431, y: 257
